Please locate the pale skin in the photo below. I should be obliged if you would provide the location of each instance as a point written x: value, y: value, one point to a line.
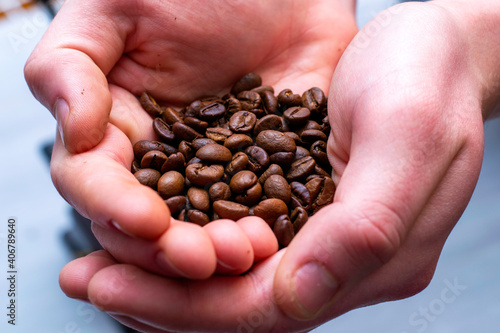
x: 406, y: 104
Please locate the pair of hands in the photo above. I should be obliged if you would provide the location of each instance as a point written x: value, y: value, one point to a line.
x: 405, y: 106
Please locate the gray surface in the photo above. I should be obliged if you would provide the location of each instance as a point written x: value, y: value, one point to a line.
x: 470, y: 256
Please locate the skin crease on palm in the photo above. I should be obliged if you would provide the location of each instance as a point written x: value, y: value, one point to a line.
x: 398, y: 155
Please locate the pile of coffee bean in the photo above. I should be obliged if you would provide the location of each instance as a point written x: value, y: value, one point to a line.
x: 249, y: 152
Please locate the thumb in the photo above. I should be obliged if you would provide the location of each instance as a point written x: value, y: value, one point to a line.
x: 67, y: 73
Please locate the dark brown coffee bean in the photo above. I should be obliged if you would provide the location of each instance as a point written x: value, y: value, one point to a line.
x: 200, y: 142
x: 135, y: 166
x: 301, y: 195
x: 301, y: 152
x: 183, y: 215
x: 199, y: 199
x: 242, y: 122
x: 219, y: 191
x: 163, y: 131
x: 148, y: 177
x: 270, y: 209
x: 218, y: 134
x: 176, y: 204
x: 300, y: 169
x: 274, y: 141
x: 149, y: 104
x: 294, y: 136
x: 170, y: 116
x: 297, y: 116
x: 325, y: 126
x: 282, y: 158
x: 322, y: 189
x: 186, y: 148
x: 262, y: 89
x: 318, y: 152
x: 249, y: 100
x: 320, y: 172
x: 214, y: 153
x: 184, y: 132
x: 238, y: 163
x: 232, y: 105
x: 298, y: 217
x: 230, y: 210
x: 238, y: 142
x: 288, y: 99
x: 258, y: 159
x: 259, y: 113
x: 269, y: 122
x: 277, y: 187
x: 194, y: 160
x: 170, y: 184
x: 283, y: 230
x: 198, y: 125
x: 247, y: 82
x: 153, y: 159
x: 202, y: 175
x: 251, y: 196
x: 274, y: 169
x: 269, y: 102
x: 312, y: 135
x: 142, y: 147
x: 194, y: 108
x: 314, y: 99
x: 242, y: 181
x: 197, y: 217
x: 212, y: 112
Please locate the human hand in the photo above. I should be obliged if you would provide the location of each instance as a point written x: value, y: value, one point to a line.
x: 406, y: 147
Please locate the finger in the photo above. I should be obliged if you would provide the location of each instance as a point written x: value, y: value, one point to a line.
x: 261, y: 236
x: 100, y: 186
x: 67, y: 71
x: 184, y: 250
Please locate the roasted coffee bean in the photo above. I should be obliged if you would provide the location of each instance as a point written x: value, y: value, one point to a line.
x: 320, y: 172
x: 218, y: 134
x: 194, y: 108
x: 325, y: 126
x: 170, y: 116
x: 149, y: 104
x: 277, y: 187
x: 274, y: 169
x: 219, y: 191
x: 312, y: 135
x: 246, y: 188
x: 198, y: 125
x: 242, y: 122
x: 170, y: 184
x: 251, y: 196
x: 262, y: 89
x: 238, y: 163
x: 230, y: 210
x: 297, y: 116
x: 232, y: 105
x: 270, y: 209
x: 194, y: 160
x: 298, y: 217
x: 202, y: 175
x: 322, y: 189
x: 275, y: 141
x: 163, y: 131
x: 295, y: 137
x: 182, y: 215
x: 269, y: 122
x: 247, y: 82
x: 200, y: 142
x: 314, y: 99
x: 142, y: 147
x: 300, y: 169
x: 186, y: 148
x: 212, y: 112
x: 153, y: 159
x: 283, y: 230
x: 176, y: 204
x: 214, y: 153
x: 301, y: 152
x: 199, y: 199
x: 318, y: 152
x: 269, y: 102
x: 249, y: 100
x: 282, y: 158
x: 197, y: 217
x: 135, y: 166
x: 184, y: 132
x: 238, y: 142
x: 301, y: 195
x: 258, y: 159
x: 259, y: 113
x: 287, y: 98
x: 148, y: 177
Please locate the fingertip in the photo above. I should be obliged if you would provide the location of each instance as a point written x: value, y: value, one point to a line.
x: 261, y: 236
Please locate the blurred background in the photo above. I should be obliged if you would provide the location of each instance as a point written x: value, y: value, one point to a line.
x: 464, y: 295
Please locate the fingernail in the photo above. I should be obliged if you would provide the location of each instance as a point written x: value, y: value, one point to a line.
x: 314, y: 288
x: 115, y: 225
x: 166, y: 265
x: 61, y: 112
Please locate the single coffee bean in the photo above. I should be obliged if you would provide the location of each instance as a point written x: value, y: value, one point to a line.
x: 153, y: 159
x: 297, y: 116
x: 232, y: 105
x: 320, y: 172
x: 199, y: 198
x: 269, y: 102
x: 194, y: 108
x: 274, y: 169
x: 163, y: 131
x: 218, y: 134
x: 270, y: 209
x: 142, y: 147
x: 230, y: 210
x: 322, y: 189
x: 274, y: 141
x: 186, y: 148
x: 202, y: 175
x: 238, y: 142
x: 259, y: 113
x: 295, y: 137
x: 242, y: 181
x: 282, y: 158
x: 170, y: 116
x: 214, y: 153
x: 198, y: 125
x: 269, y: 122
x: 148, y: 177
x: 135, y: 166
x: 325, y: 126
x: 287, y: 98
x: 200, y: 142
x: 277, y: 187
x: 149, y: 104
x: 300, y: 169
x: 312, y: 135
x: 184, y: 132
x: 197, y: 217
x: 251, y: 196
x: 258, y: 159
x: 298, y: 217
x: 283, y: 230
x: 176, y: 204
x: 219, y: 191
x: 262, y: 89
x: 301, y: 152
x: 314, y: 99
x: 247, y: 82
x: 242, y: 122
x: 318, y: 152
x: 301, y: 195
x: 212, y: 112
x: 170, y: 184
x: 249, y: 100
x: 238, y: 163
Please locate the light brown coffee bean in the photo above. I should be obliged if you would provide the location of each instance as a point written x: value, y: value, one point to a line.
x: 170, y: 184
x: 270, y: 209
